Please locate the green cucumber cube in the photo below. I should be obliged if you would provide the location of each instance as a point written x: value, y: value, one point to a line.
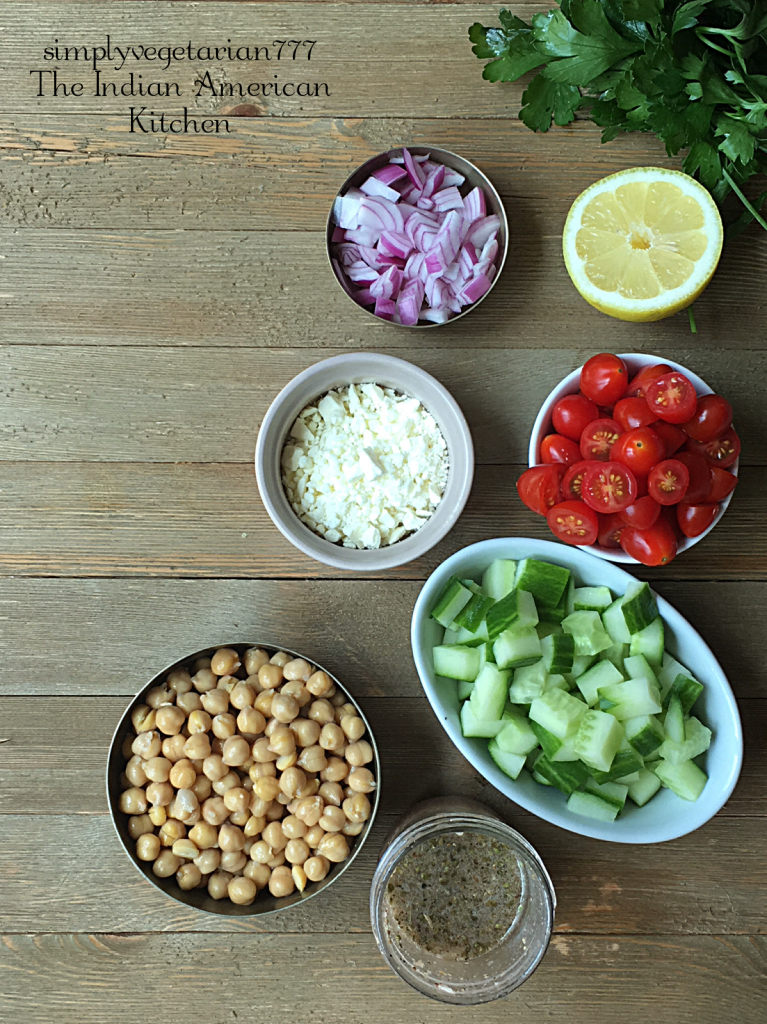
x: 510, y: 764
x: 541, y: 779
x: 587, y: 630
x: 546, y: 582
x: 488, y: 698
x: 645, y: 787
x: 673, y: 723
x: 516, y: 735
x: 566, y: 776
x: 697, y: 740
x: 687, y: 690
x: 558, y: 712
x: 604, y: 673
x: 668, y: 672
x: 598, y: 739
x: 644, y: 733
x: 516, y: 648
x: 456, y: 662
x: 685, y: 779
x: 515, y: 611
x: 615, y: 624
x: 464, y: 689
x: 639, y: 607
x: 558, y: 652
x: 616, y: 653
x: 472, y: 615
x: 566, y: 752
x: 469, y: 639
x: 636, y: 666
x: 591, y: 805
x: 499, y: 578
x: 610, y: 791
x: 529, y: 683
x: 473, y: 726
x: 453, y: 598
x: 591, y: 599
x: 650, y: 642
x: 631, y: 699
x: 624, y: 763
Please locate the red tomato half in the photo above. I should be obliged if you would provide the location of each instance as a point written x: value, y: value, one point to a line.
x: 610, y: 529
x: 695, y: 519
x: 598, y: 439
x: 572, y: 414
x: 639, y: 449
x: 633, y: 412
x: 538, y: 487
x: 646, y: 376
x: 642, y: 514
x: 721, y: 452
x: 712, y: 416
x: 700, y: 476
x: 571, y: 482
x: 672, y: 398
x: 668, y: 482
x: 573, y: 522
x: 555, y: 448
x: 656, y: 546
x: 608, y: 487
x: 722, y: 484
x: 604, y: 378
x: 673, y: 437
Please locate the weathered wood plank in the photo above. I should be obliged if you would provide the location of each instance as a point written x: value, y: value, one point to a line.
x: 139, y: 519
x: 71, y: 874
x: 63, y: 979
x: 205, y: 405
x: 53, y: 760
x: 242, y: 288
x: 88, y: 637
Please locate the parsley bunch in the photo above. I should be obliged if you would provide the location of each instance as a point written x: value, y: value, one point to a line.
x: 694, y: 73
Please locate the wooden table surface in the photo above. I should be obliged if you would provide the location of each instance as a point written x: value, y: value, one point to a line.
x: 156, y: 291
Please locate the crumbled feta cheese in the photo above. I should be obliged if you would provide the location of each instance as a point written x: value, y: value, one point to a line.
x: 369, y: 466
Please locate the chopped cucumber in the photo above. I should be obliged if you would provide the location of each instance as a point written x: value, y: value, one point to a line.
x: 697, y: 740
x: 615, y: 624
x: 644, y: 733
x: 550, y: 744
x: 509, y: 763
x: 529, y: 683
x: 464, y: 689
x: 624, y: 763
x: 558, y: 652
x: 453, y: 598
x: 669, y: 671
x: 472, y: 615
x: 473, y: 726
x: 544, y: 629
x: 488, y: 698
x: 604, y: 673
x: 539, y: 778
x: 566, y: 752
x: 591, y: 599
x: 645, y: 787
x: 546, y: 582
x: 469, y: 639
x: 452, y: 636
x: 556, y: 682
x: 516, y: 648
x: 613, y: 792
x: 499, y: 577
x: 587, y: 630
x: 515, y: 611
x: 616, y: 653
x: 685, y: 779
x: 516, y: 735
x: 565, y: 775
x: 558, y: 712
x: 686, y: 689
x: 598, y: 739
x: 591, y: 805
x: 631, y: 699
x: 637, y: 667
x: 673, y: 723
x: 639, y: 607
x: 650, y: 642
x: 456, y: 662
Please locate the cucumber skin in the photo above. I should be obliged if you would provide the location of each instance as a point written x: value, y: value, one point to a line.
x: 624, y: 763
x: 545, y: 581
x: 442, y: 611
x: 510, y: 764
x: 687, y: 690
x: 640, y: 609
x: 590, y: 805
x: 567, y: 776
x: 467, y: 676
x: 683, y: 779
x: 648, y: 738
x: 609, y: 738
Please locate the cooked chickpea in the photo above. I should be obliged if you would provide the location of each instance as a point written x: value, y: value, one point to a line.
x: 230, y: 837
x: 230, y: 781
x: 282, y: 740
x: 275, y: 837
x: 171, y: 831
x: 293, y: 827
x: 299, y: 877
x: 188, y: 876
x: 357, y: 808
x: 306, y: 731
x: 157, y: 815
x: 310, y: 788
x: 298, y: 691
x: 333, y: 819
x: 254, y: 826
x: 319, y: 683
x: 204, y: 835
x: 352, y: 828
x: 215, y: 702
x: 173, y: 747
x: 335, y: 847
x: 208, y: 861
x: 237, y: 799
x: 202, y: 787
x: 197, y: 747
x: 337, y: 699
x: 264, y: 702
x: 332, y: 737
x: 204, y: 680
x: 261, y: 751
x: 310, y: 810
x: 198, y: 722
x: 215, y: 811
x: 242, y: 891
x: 353, y: 727
x: 147, y: 745
x: 261, y: 852
x: 272, y: 725
x: 296, y: 851
x: 361, y: 780
x: 218, y: 884
x: 236, y: 750
x: 134, y: 771
x: 170, y: 719
x: 157, y: 769
x: 228, y: 683
x: 258, y: 873
x: 291, y: 781
x: 298, y: 668
x: 314, y: 836
x: 185, y: 848
x: 253, y: 659
x: 179, y: 681
x: 143, y: 718
x: 139, y: 825
x: 224, y: 726
x: 189, y: 702
x: 167, y: 864
x: 284, y: 707
x: 225, y: 661
x: 214, y: 768
x: 359, y: 753
x: 281, y: 658
x: 270, y: 676
x: 259, y: 807
x: 186, y: 804
x: 321, y: 711
x: 183, y: 774
x: 281, y: 882
x: 286, y: 761
x: 331, y: 793
x: 148, y: 846
x: 159, y: 794
x: 133, y: 801
x: 234, y: 861
x: 250, y: 722
x: 239, y: 818
x: 160, y: 695
x: 316, y: 868
x: 266, y: 787
x: 313, y: 759
x: 261, y: 768
x: 242, y: 696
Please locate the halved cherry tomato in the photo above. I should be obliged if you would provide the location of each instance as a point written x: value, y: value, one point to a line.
x: 571, y: 482
x: 610, y: 529
x: 722, y: 451
x: 572, y: 414
x: 656, y: 546
x: 700, y: 476
x: 695, y: 519
x: 573, y: 522
x: 555, y: 448
x: 639, y: 449
x: 608, y: 487
x: 642, y: 514
x: 633, y: 412
x: 598, y: 438
x: 668, y: 482
x: 673, y: 437
x: 646, y: 376
x: 539, y: 489
x: 722, y: 484
x: 712, y: 416
x: 604, y: 378
x: 672, y: 397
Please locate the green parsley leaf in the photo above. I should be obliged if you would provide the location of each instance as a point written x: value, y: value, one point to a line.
x: 513, y: 46
x: 687, y: 15
x: 739, y: 143
x: 587, y: 47
x: 544, y: 99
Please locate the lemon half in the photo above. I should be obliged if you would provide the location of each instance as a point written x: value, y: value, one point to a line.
x: 643, y: 243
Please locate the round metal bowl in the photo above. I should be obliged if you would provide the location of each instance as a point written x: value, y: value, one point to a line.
x: 264, y: 902
x: 474, y: 177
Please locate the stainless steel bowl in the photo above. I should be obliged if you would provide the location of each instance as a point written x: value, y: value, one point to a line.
x: 473, y: 177
x: 264, y: 902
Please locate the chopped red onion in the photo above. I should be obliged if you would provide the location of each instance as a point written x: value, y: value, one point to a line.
x: 391, y: 243
x: 448, y: 199
x: 363, y: 236
x: 338, y: 235
x: 375, y: 187
x: 475, y: 289
x: 483, y: 229
x: 385, y: 308
x: 389, y: 174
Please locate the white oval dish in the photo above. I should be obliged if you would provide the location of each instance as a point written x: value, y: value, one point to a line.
x: 666, y: 816
x: 569, y: 385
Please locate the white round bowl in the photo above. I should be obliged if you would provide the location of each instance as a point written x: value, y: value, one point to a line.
x: 359, y: 368
x: 569, y: 386
x: 666, y: 816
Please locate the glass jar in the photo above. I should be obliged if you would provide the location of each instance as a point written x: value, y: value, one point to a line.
x: 508, y: 963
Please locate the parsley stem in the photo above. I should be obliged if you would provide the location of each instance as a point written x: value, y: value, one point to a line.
x: 691, y: 316
x: 751, y: 209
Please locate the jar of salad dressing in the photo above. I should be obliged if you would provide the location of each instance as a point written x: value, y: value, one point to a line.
x: 461, y: 905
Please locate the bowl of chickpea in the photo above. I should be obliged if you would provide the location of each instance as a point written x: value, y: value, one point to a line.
x: 243, y: 779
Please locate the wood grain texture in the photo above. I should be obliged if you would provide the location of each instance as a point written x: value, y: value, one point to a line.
x: 206, y: 405
x: 91, y: 637
x: 241, y: 288
x: 57, y: 978
x: 152, y: 519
